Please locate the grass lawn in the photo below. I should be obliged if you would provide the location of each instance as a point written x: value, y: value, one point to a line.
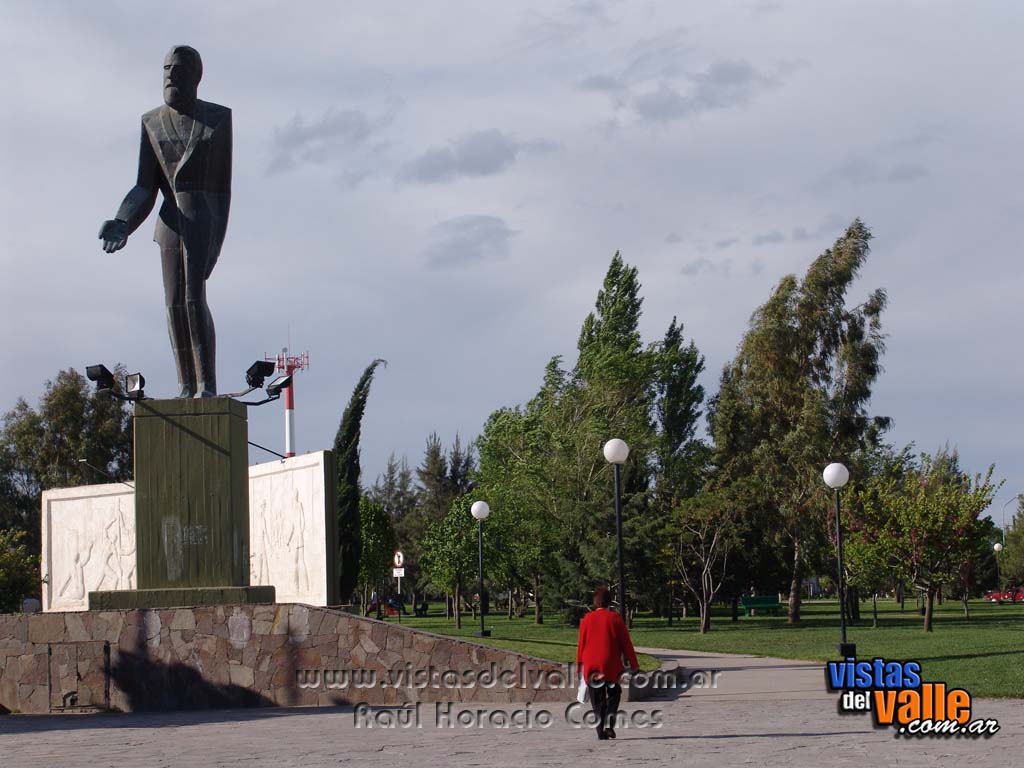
x: 984, y: 655
x: 551, y: 640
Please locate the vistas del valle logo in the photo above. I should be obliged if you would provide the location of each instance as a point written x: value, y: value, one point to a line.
x: 896, y: 696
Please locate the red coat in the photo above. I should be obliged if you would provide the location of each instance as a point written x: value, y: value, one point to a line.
x: 603, y: 641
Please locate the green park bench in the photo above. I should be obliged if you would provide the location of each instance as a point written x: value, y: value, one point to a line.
x: 767, y: 603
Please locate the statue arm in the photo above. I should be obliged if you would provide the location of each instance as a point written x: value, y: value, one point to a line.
x: 222, y: 173
x: 137, y: 203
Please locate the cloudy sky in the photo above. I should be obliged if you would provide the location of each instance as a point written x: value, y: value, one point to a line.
x: 443, y: 185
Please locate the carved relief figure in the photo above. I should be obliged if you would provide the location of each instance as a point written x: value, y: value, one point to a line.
x: 76, y: 579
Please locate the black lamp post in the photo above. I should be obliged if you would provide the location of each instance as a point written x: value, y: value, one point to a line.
x: 480, y: 510
x: 836, y: 476
x: 615, y: 453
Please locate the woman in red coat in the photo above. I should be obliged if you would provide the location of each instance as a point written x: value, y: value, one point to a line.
x: 603, y: 641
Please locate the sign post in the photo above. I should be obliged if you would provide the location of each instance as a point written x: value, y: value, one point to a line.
x: 398, y: 572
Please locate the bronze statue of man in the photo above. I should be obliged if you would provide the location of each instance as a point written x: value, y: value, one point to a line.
x: 186, y: 155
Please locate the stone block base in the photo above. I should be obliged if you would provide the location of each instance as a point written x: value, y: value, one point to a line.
x: 187, y: 597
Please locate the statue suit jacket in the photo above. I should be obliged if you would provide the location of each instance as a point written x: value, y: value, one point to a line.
x: 194, y: 174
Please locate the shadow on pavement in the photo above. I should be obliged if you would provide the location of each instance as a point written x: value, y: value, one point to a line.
x: 20, y: 724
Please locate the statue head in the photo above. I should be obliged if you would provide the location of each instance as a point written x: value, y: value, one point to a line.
x: 183, y: 69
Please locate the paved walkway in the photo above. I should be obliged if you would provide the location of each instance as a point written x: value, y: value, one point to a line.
x: 769, y: 712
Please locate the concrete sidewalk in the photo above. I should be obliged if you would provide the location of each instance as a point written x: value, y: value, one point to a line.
x: 770, y: 712
x: 751, y: 677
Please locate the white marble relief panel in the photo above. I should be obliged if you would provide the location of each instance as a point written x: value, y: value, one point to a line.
x: 88, y: 541
x: 88, y: 544
x: 287, y: 528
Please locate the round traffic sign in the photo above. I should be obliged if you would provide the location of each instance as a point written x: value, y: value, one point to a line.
x: 398, y: 559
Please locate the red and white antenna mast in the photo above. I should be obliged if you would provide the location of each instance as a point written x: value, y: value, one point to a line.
x: 288, y: 365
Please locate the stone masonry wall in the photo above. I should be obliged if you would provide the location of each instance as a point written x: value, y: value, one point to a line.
x: 251, y: 655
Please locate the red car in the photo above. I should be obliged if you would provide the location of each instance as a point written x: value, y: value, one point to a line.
x: 1010, y: 596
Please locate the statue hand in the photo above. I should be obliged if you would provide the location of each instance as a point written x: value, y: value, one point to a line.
x: 114, y: 234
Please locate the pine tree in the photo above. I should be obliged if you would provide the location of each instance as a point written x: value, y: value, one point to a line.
x: 460, y: 468
x: 434, y: 488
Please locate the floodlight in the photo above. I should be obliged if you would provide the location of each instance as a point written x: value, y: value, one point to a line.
x: 101, y: 375
x: 258, y: 373
x: 281, y: 382
x: 133, y: 385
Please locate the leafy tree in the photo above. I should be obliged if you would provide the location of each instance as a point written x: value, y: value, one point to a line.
x: 609, y: 393
x: 544, y: 461
x: 42, y: 448
x: 19, y: 571
x: 681, y: 461
x: 866, y: 567
x: 705, y: 531
x: 441, y: 477
x: 1011, y: 559
x: 346, y: 452
x: 978, y: 572
x: 679, y: 400
x: 377, y: 543
x: 795, y: 397
x: 923, y: 516
x: 512, y: 476
x: 448, y: 554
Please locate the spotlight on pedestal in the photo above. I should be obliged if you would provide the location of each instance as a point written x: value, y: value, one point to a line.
x: 258, y: 373
x: 274, y: 388
x: 133, y: 386
x: 101, y: 375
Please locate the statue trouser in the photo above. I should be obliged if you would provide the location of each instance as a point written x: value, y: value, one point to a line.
x: 189, y: 323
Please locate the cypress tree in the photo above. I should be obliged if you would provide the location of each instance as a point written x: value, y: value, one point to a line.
x: 346, y: 452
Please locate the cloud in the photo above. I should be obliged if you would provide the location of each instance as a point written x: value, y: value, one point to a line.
x: 602, y: 84
x: 298, y: 142
x: 831, y: 227
x: 726, y: 242
x: 906, y: 172
x: 468, y: 240
x: 863, y: 171
x: 726, y: 83
x: 484, y: 153
x: 768, y: 238
x: 658, y: 56
x: 697, y: 266
x: 673, y: 237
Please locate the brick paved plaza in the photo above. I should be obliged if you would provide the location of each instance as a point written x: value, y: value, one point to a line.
x: 764, y: 712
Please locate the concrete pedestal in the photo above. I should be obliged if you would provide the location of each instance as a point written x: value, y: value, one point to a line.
x: 191, y: 506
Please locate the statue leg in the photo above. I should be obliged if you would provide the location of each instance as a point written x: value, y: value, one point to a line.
x: 200, y: 323
x: 177, y: 319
